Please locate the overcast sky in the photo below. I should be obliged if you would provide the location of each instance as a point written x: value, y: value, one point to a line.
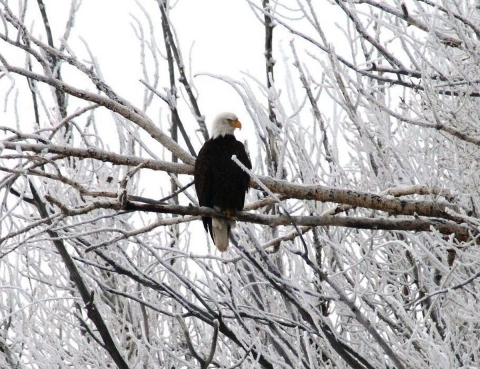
x: 224, y: 37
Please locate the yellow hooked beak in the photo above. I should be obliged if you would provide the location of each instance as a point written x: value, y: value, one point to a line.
x: 237, y: 124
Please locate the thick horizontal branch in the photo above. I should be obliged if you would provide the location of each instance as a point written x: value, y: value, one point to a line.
x: 388, y: 204
x: 367, y: 200
x: 462, y: 233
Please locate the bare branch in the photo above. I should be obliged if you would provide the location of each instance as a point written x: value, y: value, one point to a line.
x: 181, y: 68
x: 417, y: 224
x: 102, y: 155
x: 81, y: 286
x: 127, y: 113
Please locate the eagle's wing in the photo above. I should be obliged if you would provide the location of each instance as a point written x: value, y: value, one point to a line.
x: 204, y: 184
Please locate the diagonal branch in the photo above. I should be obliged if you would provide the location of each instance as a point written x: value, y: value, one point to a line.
x: 367, y: 200
x: 98, y: 154
x: 60, y: 95
x: 181, y: 68
x: 77, y: 279
x: 142, y: 121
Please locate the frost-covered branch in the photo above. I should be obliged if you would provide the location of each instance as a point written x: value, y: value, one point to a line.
x: 359, y: 227
x: 142, y: 121
x: 87, y: 296
x: 171, y: 44
x: 98, y: 154
x: 417, y: 224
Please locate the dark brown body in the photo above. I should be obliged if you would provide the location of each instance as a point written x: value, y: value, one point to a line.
x: 219, y: 181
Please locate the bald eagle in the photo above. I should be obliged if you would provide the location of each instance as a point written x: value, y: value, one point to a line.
x: 220, y: 183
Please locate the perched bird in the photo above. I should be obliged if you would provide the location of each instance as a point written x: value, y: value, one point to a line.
x: 220, y: 183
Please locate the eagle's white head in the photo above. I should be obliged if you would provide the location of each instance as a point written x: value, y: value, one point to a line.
x: 225, y: 124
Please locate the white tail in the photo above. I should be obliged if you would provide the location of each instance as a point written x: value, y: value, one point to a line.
x: 220, y: 232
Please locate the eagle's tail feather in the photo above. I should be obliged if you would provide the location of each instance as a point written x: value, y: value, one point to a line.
x: 221, y: 229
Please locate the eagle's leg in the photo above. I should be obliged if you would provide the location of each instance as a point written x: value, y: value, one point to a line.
x: 229, y: 214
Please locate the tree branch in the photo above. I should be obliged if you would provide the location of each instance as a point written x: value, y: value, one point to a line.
x: 141, y: 120
x: 462, y: 233
x: 367, y: 200
x: 102, y: 155
x: 181, y: 68
x: 81, y: 286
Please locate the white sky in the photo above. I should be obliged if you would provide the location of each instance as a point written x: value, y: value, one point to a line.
x: 224, y: 37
